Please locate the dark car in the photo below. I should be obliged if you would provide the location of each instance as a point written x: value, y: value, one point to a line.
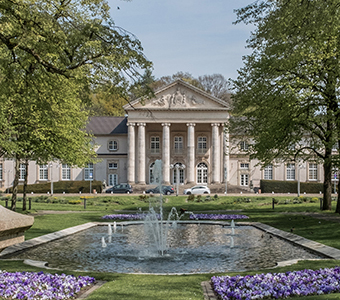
x: 166, y: 190
x: 120, y: 189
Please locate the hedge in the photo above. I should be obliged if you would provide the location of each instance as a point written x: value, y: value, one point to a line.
x: 268, y: 186
x: 62, y: 186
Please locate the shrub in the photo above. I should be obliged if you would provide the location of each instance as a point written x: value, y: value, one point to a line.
x: 268, y: 186
x: 62, y: 186
x: 74, y: 202
x: 191, y: 198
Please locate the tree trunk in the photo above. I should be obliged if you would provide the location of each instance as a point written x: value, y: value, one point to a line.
x: 24, y: 199
x: 15, y: 183
x: 327, y: 184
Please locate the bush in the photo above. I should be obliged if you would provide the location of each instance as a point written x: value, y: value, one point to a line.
x: 74, y: 202
x: 276, y: 186
x: 191, y: 198
x: 62, y: 186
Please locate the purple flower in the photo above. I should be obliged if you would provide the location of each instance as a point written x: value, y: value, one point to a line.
x: 217, y: 217
x: 277, y: 285
x: 35, y: 286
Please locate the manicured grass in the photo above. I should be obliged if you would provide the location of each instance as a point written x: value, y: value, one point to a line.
x: 182, y: 287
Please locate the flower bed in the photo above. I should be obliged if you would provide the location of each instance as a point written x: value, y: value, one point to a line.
x: 124, y: 217
x: 277, y: 285
x: 217, y: 217
x: 31, y: 285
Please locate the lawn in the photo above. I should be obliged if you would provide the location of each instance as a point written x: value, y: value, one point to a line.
x: 286, y: 216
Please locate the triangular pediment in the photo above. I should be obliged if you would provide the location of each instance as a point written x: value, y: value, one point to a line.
x: 179, y: 95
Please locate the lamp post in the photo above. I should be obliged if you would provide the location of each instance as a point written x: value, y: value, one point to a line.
x: 8, y: 185
x: 300, y: 166
x: 335, y: 171
x: 176, y: 168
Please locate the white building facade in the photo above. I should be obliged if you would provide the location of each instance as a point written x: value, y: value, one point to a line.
x: 182, y: 125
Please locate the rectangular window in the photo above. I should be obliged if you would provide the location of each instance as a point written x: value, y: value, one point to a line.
x: 268, y: 172
x: 155, y: 145
x: 43, y: 172
x: 290, y: 171
x: 244, y: 166
x: 244, y: 146
x: 88, y: 174
x: 202, y: 144
x: 65, y: 172
x: 113, y: 166
x: 244, y: 179
x: 313, y: 171
x: 22, y: 170
x: 113, y: 145
x: 1, y: 172
x: 113, y: 179
x: 178, y: 144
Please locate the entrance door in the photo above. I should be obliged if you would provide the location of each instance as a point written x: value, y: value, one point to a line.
x: 202, y: 173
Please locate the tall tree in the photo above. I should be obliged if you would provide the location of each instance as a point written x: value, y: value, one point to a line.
x: 287, y: 91
x: 216, y: 85
x: 53, y: 53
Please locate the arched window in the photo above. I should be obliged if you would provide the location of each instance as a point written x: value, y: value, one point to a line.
x: 202, y: 173
x: 152, y: 179
x: 180, y: 173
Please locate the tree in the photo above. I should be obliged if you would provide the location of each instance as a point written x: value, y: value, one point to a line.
x: 216, y: 85
x: 53, y: 53
x: 286, y: 93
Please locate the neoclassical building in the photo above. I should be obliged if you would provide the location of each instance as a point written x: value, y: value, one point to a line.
x: 184, y: 127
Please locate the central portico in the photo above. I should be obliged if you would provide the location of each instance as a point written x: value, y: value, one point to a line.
x: 181, y: 125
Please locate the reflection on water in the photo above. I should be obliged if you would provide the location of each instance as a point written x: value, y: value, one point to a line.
x: 192, y: 248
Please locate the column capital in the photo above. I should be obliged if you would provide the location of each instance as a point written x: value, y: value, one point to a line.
x: 141, y: 124
x: 191, y: 124
x: 131, y: 124
x: 215, y: 124
x: 166, y: 124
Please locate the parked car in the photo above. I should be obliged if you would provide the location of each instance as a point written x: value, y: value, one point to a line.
x: 197, y: 189
x: 120, y: 189
x: 167, y: 190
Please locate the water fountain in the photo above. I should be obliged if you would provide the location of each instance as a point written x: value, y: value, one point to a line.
x: 169, y: 245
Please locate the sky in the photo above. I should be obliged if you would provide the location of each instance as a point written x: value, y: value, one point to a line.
x: 194, y: 36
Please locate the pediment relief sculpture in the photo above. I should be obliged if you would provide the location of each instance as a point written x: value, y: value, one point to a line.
x: 177, y: 99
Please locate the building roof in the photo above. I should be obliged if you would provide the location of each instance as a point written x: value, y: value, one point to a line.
x: 107, y: 125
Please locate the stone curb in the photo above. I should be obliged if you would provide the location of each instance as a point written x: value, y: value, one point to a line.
x: 85, y: 294
x: 208, y: 291
x: 45, y: 238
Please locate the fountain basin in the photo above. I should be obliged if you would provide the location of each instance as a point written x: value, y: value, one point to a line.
x: 12, y: 227
x: 193, y: 247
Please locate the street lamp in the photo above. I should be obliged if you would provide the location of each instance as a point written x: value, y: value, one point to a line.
x: 8, y: 185
x: 176, y: 168
x: 300, y: 166
x: 335, y: 171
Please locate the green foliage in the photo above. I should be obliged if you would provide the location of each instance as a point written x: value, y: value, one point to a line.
x: 74, y: 201
x: 191, y: 198
x: 268, y: 186
x: 286, y: 93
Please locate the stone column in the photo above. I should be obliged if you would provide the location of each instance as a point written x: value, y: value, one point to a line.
x: 225, y: 157
x: 141, y: 153
x: 166, y: 153
x: 191, y: 153
x: 131, y: 153
x: 216, y: 165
